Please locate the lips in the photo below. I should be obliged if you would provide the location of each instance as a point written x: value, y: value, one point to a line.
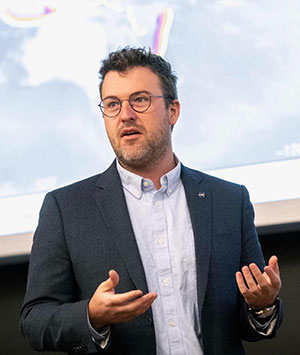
x: 129, y: 132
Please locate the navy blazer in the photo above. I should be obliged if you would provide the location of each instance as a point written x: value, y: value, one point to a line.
x: 85, y: 230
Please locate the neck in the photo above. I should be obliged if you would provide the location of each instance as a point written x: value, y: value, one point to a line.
x: 155, y: 172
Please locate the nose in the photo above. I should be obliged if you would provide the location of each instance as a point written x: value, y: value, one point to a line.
x: 127, y: 113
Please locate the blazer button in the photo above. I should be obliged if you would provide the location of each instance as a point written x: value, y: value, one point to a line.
x: 79, y: 349
x: 150, y: 321
x: 76, y: 349
x: 84, y: 348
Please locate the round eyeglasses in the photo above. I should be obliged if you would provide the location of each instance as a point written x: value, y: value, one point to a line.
x: 139, y: 101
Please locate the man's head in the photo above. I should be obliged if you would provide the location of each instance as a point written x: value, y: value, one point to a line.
x: 128, y: 57
x: 139, y: 108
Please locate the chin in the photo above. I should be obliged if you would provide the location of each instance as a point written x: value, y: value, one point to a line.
x: 135, y: 159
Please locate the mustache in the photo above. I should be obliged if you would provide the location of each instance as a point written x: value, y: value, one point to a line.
x: 131, y: 125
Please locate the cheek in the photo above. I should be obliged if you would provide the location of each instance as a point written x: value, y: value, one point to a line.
x: 110, y: 129
x: 159, y: 119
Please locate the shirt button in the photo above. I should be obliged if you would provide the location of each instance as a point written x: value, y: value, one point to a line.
x: 156, y: 203
x: 146, y: 183
x: 165, y: 280
x: 171, y: 323
x: 160, y: 241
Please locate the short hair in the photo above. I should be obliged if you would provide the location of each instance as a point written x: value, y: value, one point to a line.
x: 129, y: 57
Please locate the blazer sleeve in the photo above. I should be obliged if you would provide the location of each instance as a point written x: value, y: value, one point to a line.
x: 51, y: 317
x: 251, y: 252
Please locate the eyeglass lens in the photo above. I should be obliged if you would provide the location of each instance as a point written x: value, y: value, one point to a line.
x: 139, y: 101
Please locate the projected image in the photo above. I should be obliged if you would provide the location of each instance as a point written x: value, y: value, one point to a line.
x: 238, y: 70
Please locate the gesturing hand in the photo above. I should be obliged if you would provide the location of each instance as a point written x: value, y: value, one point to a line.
x: 106, y: 307
x: 259, y: 289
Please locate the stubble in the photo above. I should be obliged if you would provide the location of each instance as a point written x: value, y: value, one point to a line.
x: 146, y: 154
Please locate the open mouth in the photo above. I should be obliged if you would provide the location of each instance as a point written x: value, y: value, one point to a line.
x: 129, y: 132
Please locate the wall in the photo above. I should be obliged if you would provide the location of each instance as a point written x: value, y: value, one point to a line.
x: 285, y: 246
x: 287, y: 342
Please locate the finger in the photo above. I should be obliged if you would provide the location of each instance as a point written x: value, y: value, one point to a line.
x: 146, y: 303
x: 241, y: 283
x: 274, y: 277
x: 139, y: 305
x: 111, y: 282
x: 134, y: 309
x: 273, y: 263
x: 249, y: 278
x: 114, y: 276
x: 261, y: 280
x: 121, y: 298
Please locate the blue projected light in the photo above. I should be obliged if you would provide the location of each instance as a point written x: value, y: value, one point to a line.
x: 239, y: 75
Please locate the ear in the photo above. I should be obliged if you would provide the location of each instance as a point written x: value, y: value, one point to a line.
x: 174, y: 112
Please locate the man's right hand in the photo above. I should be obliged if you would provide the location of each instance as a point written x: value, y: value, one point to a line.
x: 106, y: 307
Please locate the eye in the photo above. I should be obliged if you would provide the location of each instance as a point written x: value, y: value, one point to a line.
x: 140, y: 99
x: 111, y: 103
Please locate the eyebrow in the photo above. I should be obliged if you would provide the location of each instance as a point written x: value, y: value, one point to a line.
x: 135, y: 92
x: 110, y: 97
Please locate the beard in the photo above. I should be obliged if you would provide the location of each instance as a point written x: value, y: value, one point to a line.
x: 146, y: 154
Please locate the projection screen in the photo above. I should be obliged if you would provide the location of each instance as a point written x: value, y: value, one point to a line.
x: 238, y: 72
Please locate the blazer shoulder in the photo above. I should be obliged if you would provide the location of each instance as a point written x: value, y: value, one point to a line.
x: 85, y: 186
x: 214, y: 182
x: 77, y: 187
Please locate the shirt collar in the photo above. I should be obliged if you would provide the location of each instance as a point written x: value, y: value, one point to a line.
x: 136, y: 184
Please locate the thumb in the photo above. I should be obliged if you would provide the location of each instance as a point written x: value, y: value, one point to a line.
x: 273, y: 263
x: 110, y: 283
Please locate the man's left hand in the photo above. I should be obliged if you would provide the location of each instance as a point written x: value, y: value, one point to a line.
x: 259, y: 289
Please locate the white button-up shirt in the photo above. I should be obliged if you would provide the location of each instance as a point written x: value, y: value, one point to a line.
x: 164, y: 235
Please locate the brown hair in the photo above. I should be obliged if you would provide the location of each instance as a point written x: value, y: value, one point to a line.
x: 129, y: 57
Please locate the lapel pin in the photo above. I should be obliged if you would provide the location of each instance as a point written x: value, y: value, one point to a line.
x: 201, y: 194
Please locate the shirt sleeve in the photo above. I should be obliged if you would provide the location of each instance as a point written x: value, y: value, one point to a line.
x: 262, y: 326
x: 101, y: 337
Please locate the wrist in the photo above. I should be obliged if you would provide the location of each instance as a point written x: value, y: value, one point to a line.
x: 260, y: 307
x: 93, y: 319
x: 264, y: 312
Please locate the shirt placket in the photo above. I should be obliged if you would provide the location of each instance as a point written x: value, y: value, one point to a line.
x: 164, y: 274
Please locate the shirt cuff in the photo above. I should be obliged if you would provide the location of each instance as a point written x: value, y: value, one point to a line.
x: 101, y: 337
x: 264, y: 327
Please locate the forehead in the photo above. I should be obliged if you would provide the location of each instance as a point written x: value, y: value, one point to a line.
x: 125, y: 83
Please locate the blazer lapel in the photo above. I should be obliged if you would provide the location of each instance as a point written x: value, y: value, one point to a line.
x: 111, y: 201
x: 198, y: 197
x: 112, y: 205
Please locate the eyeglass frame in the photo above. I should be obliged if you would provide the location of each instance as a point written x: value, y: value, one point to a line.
x: 131, y: 105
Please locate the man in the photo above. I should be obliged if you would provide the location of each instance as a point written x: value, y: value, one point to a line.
x: 144, y: 258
